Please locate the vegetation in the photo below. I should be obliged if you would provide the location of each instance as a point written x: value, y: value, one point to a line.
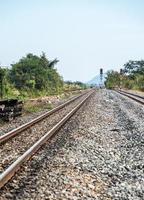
x: 71, y: 86
x: 130, y: 77
x: 33, y: 76
x: 112, y: 79
x: 36, y: 75
x: 29, y: 107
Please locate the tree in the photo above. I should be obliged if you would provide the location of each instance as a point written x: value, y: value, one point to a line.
x: 135, y: 72
x: 112, y: 79
x: 2, y: 75
x: 36, y: 73
x: 134, y: 67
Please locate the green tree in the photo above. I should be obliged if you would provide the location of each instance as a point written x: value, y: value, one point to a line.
x: 134, y: 67
x: 135, y: 73
x: 112, y: 79
x: 2, y: 76
x: 36, y: 73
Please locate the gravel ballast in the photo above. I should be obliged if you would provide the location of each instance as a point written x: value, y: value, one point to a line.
x: 98, y: 154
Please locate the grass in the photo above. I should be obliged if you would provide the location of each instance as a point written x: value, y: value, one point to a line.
x: 30, y: 108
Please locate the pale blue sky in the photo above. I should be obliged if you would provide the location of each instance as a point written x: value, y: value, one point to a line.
x: 84, y: 35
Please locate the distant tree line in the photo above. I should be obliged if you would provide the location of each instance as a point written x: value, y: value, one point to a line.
x: 131, y: 76
x: 74, y: 85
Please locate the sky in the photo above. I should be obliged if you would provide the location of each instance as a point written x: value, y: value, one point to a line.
x: 85, y: 35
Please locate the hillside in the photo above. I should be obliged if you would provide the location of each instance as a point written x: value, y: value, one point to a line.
x: 96, y: 81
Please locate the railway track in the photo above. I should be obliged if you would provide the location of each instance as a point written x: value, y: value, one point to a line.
x: 14, y: 148
x: 135, y: 97
x: 18, y: 130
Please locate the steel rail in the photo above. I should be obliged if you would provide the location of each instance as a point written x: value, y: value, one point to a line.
x: 136, y: 95
x: 131, y: 96
x: 16, y: 131
x: 11, y: 170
